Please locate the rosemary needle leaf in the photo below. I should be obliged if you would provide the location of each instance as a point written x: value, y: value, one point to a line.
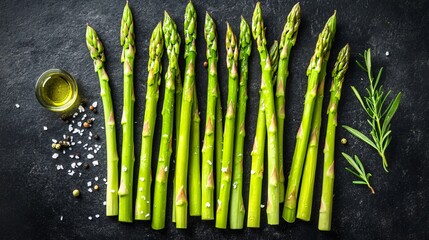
x: 359, y: 171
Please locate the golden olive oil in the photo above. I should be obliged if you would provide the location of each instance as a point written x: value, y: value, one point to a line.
x: 57, y: 90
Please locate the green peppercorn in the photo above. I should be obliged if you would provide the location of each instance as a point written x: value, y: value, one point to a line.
x: 54, y: 145
x: 343, y: 141
x: 86, y: 125
x: 96, y: 187
x: 57, y: 146
x: 205, y: 64
x: 76, y: 193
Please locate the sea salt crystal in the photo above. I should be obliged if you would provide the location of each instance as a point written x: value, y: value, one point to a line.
x: 95, y: 163
x: 59, y: 167
x: 252, y: 172
x: 207, y: 204
x: 96, y: 178
x: 89, y: 184
x: 55, y: 155
x: 90, y: 134
x: 81, y: 109
x: 76, y: 130
x: 75, y: 115
x: 17, y: 105
x: 89, y: 189
x: 79, y: 164
x: 104, y: 179
x: 79, y: 124
x: 224, y: 169
x: 94, y: 104
x: 70, y: 128
x: 71, y: 156
x: 97, y: 215
x: 45, y: 128
x: 76, y: 157
x: 54, y: 140
x: 73, y: 165
x: 90, y: 218
x: 61, y: 218
x: 262, y: 205
x: 79, y: 142
x: 71, y: 173
x: 104, y: 203
x: 387, y: 53
x: 90, y: 156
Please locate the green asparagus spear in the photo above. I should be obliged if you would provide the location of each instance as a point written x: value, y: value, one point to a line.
x: 323, y: 47
x: 287, y: 41
x: 194, y: 161
x: 207, y: 181
x: 190, y: 32
x: 340, y: 68
x: 172, y: 45
x: 228, y: 138
x: 143, y: 198
x: 96, y: 49
x: 236, y: 217
x: 257, y: 169
x: 258, y: 31
x: 218, y: 142
x: 125, y: 191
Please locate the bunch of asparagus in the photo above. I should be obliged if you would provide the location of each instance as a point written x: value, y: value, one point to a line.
x: 222, y: 152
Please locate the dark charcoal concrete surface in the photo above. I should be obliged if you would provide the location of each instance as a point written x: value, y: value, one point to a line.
x: 38, y: 35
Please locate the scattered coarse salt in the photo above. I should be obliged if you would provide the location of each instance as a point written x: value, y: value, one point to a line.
x: 70, y: 128
x: 104, y: 203
x: 79, y: 124
x: 55, y: 155
x: 166, y: 169
x: 97, y: 215
x: 73, y: 143
x: 90, y: 149
x: 79, y: 142
x: 94, y: 104
x: 71, y: 173
x: 387, y: 53
x: 207, y: 204
x: 262, y: 205
x: 73, y: 165
x: 45, y: 128
x: 252, y: 172
x: 209, y: 162
x: 80, y: 174
x: 17, y: 105
x: 79, y: 164
x: 71, y: 156
x: 141, y: 189
x: 90, y: 134
x: 89, y: 138
x: 147, y: 215
x: 64, y: 152
x: 124, y: 168
x: 90, y: 156
x: 89, y: 184
x: 61, y: 218
x: 142, y: 179
x: 224, y: 169
x: 96, y: 178
x: 102, y: 128
x: 84, y: 116
x: 90, y: 218
x: 89, y: 189
x: 76, y: 157
x: 95, y: 163
x: 59, y: 167
x: 104, y: 179
x: 234, y: 185
x: 81, y: 109
x: 54, y: 140
x: 75, y: 115
x: 72, y: 121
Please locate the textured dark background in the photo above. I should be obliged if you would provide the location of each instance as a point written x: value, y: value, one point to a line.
x: 38, y: 35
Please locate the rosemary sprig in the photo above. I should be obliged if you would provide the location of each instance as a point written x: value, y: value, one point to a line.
x: 379, y: 116
x: 359, y: 171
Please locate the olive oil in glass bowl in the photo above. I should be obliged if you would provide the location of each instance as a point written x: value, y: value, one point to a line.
x: 57, y: 90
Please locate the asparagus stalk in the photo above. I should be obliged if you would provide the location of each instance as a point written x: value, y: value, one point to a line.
x: 228, y: 138
x: 96, y: 50
x: 178, y: 107
x: 305, y: 200
x: 218, y: 142
x: 258, y: 31
x: 172, y: 45
x: 143, y: 198
x: 207, y: 186
x: 190, y: 32
x: 287, y: 41
x: 340, y: 68
x: 257, y: 169
x: 236, y: 217
x: 323, y: 47
x: 194, y: 162
x: 125, y: 191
